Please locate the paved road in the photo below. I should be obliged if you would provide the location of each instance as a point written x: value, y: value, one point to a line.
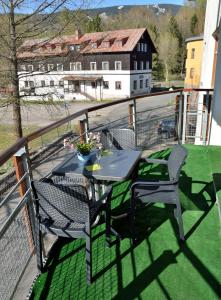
x: 42, y: 115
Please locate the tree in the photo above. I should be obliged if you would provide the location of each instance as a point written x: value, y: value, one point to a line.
x: 168, y: 48
x: 23, y: 19
x: 94, y: 24
x: 193, y: 23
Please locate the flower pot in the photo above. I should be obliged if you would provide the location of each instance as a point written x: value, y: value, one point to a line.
x: 83, y: 158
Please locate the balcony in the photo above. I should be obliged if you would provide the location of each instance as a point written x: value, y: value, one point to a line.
x: 158, y: 266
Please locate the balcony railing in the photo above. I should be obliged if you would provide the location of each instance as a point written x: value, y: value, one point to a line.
x: 189, y: 110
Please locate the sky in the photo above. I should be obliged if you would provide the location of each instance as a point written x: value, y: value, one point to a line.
x: 104, y: 3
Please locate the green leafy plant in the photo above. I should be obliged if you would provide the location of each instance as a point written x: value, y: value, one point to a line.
x: 84, y: 148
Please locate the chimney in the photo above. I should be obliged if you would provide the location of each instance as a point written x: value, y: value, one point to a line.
x: 77, y: 34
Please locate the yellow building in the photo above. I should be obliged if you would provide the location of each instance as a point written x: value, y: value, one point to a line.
x: 194, y: 48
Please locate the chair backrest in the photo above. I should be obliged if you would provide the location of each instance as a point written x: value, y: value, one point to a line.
x: 176, y: 160
x: 61, y: 203
x: 118, y: 139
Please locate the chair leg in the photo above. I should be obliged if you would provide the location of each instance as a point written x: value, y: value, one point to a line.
x: 132, y: 220
x: 88, y: 256
x: 39, y: 248
x: 178, y: 216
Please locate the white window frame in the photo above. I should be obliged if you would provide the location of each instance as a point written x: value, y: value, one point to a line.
x: 141, y: 65
x: 41, y: 67
x: 72, y: 66
x: 116, y: 82
x: 78, y: 66
x: 105, y: 63
x: 61, y: 67
x: 93, y: 63
x: 116, y: 63
x: 22, y: 68
x: 30, y: 68
x: 147, y: 65
x: 50, y: 67
x: 135, y: 65
x: 147, y: 82
x: 106, y: 87
x: 51, y: 85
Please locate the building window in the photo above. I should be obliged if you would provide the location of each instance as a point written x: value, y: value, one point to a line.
x: 93, y: 84
x: 145, y: 47
x: 93, y: 66
x: 41, y: 68
x: 193, y: 53
x: 61, y: 83
x: 60, y: 67
x: 147, y: 65
x: 135, y: 65
x: 30, y: 68
x: 78, y: 48
x: 135, y: 84
x: 51, y: 82
x: 147, y: 83
x: 106, y: 84
x: 50, y: 67
x: 22, y: 68
x: 26, y: 83
x: 72, y: 47
x: 78, y: 66
x: 118, y: 65
x: 141, y: 65
x: 118, y: 85
x: 42, y: 83
x: 191, y: 73
x: 138, y: 47
x: 72, y: 66
x: 29, y: 84
x: 105, y: 65
x: 94, y: 45
x: 141, y: 83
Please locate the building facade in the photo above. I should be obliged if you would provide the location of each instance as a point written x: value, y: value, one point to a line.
x: 101, y: 65
x: 194, y: 52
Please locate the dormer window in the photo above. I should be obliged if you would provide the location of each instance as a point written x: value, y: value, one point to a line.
x: 72, y: 47
x: 78, y: 47
x: 93, y: 45
x: 119, y: 43
x: 105, y: 44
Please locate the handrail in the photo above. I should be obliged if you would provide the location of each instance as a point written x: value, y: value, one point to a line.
x: 6, y: 155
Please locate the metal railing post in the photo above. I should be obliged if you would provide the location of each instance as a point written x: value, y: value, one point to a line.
x: 134, y: 114
x: 180, y: 106
x: 21, y: 167
x: 184, y: 118
x: 205, y: 123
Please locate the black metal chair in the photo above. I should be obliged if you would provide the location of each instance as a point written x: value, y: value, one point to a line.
x: 118, y: 139
x: 66, y: 211
x: 161, y: 191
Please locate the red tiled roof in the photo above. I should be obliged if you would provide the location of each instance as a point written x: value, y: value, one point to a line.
x: 120, y: 41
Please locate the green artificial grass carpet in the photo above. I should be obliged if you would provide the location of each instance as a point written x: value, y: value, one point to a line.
x: 159, y: 267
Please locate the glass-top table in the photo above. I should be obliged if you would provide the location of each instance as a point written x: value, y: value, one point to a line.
x: 114, y: 165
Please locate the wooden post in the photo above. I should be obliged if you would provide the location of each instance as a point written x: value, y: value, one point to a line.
x: 130, y: 115
x: 21, y: 167
x: 82, y: 131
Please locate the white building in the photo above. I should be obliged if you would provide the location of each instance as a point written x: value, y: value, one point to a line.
x: 100, y: 65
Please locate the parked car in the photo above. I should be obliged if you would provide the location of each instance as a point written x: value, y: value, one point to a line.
x: 167, y: 128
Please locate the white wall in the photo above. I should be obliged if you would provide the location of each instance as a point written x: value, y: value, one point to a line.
x: 211, y: 23
x: 215, y: 136
x: 126, y: 78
